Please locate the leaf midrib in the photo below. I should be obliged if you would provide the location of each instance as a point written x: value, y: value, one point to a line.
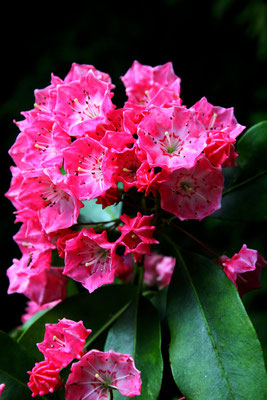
x: 221, y: 366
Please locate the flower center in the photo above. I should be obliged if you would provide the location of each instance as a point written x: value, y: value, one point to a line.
x: 88, y: 110
x: 171, y: 144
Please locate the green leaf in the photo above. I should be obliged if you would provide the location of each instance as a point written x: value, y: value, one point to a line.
x: 214, y: 350
x: 246, y: 198
x: 14, y: 364
x: 245, y: 202
x: 137, y: 332
x: 92, y: 212
x: 97, y: 310
x: 252, y: 149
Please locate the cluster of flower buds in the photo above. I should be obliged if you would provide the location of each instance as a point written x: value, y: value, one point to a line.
x: 75, y: 145
x: 92, y: 377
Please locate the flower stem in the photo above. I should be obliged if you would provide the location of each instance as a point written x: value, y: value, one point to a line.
x: 195, y: 239
x: 110, y: 394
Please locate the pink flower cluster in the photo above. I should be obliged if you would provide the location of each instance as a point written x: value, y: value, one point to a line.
x: 75, y: 145
x: 92, y: 377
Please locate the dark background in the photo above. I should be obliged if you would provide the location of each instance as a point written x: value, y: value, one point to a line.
x: 218, y: 48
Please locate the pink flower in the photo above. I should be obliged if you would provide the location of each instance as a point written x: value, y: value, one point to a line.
x: 89, y: 168
x: 31, y: 236
x: 110, y: 197
x: 143, y: 84
x: 222, y: 129
x: 63, y: 342
x: 118, y: 133
x: 171, y: 137
x: 217, y: 119
x: 244, y: 269
x: 158, y: 270
x: 37, y: 143
x: 57, y: 209
x: 2, y: 387
x: 127, y: 163
x: 193, y: 193
x: 90, y: 259
x: 148, y: 181
x: 220, y: 150
x: 33, y: 308
x: 136, y: 235
x: 98, y: 372
x: 33, y: 276
x: 44, y: 378
x: 124, y: 269
x: 79, y: 70
x: 45, y: 100
x: 82, y: 105
x: 61, y: 238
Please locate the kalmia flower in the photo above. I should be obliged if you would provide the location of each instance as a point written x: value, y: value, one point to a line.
x: 99, y: 372
x: 33, y: 276
x: 31, y: 236
x: 60, y: 238
x: 89, y: 168
x: 79, y: 70
x: 158, y: 270
x: 44, y: 378
x: 63, y: 342
x: 90, y: 259
x: 2, y: 387
x: 136, y: 235
x: 83, y: 104
x: 148, y: 181
x: 244, y: 269
x: 146, y: 85
x: 110, y: 197
x: 33, y: 308
x: 171, y: 137
x: 56, y: 207
x: 127, y: 164
x: 222, y: 130
x: 193, y: 193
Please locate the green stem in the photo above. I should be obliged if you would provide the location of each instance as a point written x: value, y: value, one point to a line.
x: 110, y: 394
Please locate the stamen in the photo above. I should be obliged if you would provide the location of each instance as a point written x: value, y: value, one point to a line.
x: 147, y: 95
x: 212, y: 121
x: 56, y: 339
x: 100, y: 378
x: 168, y: 138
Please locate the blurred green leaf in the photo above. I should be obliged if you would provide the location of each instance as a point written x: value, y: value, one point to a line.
x: 214, y: 350
x: 137, y: 332
x: 92, y: 212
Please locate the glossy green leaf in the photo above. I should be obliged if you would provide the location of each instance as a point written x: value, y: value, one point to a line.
x: 137, y: 332
x: 252, y: 150
x: 92, y: 212
x: 214, y: 350
x: 97, y: 310
x: 245, y: 202
x: 246, y: 198
x: 14, y: 364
